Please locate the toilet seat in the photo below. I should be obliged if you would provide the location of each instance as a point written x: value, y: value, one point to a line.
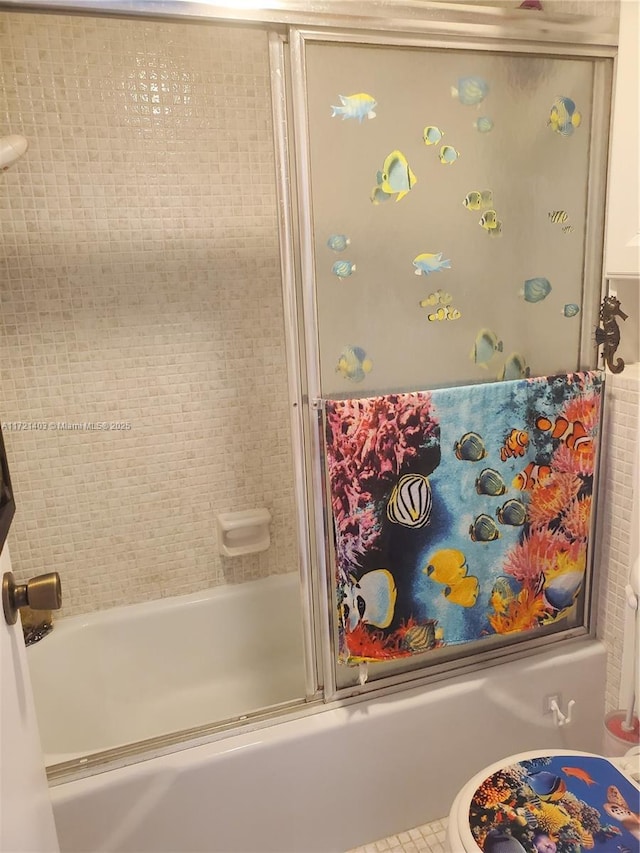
x: 534, y: 793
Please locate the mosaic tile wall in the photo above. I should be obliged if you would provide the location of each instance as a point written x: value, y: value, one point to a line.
x: 622, y: 413
x: 141, y: 287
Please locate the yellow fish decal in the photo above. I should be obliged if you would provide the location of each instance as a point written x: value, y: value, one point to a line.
x: 396, y: 176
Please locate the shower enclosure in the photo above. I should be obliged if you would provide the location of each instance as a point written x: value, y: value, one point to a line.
x: 219, y: 230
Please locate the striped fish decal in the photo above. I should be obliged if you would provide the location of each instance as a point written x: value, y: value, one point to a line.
x: 410, y: 502
x: 558, y: 216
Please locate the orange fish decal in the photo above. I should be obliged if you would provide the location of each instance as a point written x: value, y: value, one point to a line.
x: 531, y: 476
x: 515, y: 444
x: 572, y: 433
x: 579, y: 773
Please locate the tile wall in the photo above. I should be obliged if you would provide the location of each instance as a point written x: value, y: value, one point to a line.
x: 140, y: 287
x: 616, y: 521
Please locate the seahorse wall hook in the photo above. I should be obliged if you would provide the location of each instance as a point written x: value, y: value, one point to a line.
x: 608, y: 335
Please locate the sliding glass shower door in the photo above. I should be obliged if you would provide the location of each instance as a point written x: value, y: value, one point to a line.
x: 452, y: 254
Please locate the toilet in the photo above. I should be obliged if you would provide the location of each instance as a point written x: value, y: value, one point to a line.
x: 545, y: 801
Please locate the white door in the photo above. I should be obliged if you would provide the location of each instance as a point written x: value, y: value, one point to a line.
x: 26, y: 819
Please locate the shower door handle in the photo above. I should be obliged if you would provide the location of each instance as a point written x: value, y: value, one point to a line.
x: 41, y: 593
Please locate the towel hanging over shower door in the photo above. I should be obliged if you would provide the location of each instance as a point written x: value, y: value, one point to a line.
x: 462, y: 513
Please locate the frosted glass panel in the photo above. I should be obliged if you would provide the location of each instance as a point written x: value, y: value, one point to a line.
x: 430, y: 290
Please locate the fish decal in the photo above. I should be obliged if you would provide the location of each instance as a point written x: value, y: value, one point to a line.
x: 358, y: 106
x: 515, y: 444
x: 449, y: 567
x: 445, y: 313
x: 396, y: 177
x: 438, y: 297
x: 338, y: 242
x: 372, y: 599
x: 579, y: 773
x: 512, y: 512
x: 470, y: 448
x: 489, y: 221
x: 558, y: 216
x: 568, y: 229
x: 485, y: 347
x: 428, y: 262
x: 410, y: 502
x: 478, y: 199
x: 536, y: 289
x: 448, y: 155
x: 571, y: 309
x: 432, y: 135
x: 483, y: 124
x: 343, y: 269
x: 354, y: 364
x: 515, y: 367
x: 470, y: 90
x: 563, y: 116
x: 531, y: 476
x: 547, y: 786
x: 572, y: 433
x: 490, y: 483
x: 618, y: 808
x: 484, y: 529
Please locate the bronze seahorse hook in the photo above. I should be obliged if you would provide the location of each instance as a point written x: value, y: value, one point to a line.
x: 609, y: 334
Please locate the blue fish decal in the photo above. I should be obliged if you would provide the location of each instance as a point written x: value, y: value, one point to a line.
x: 343, y: 269
x: 338, y: 242
x: 358, y: 106
x: 563, y: 116
x: 571, y: 309
x: 483, y: 124
x: 428, y: 262
x: 470, y: 90
x: 354, y: 364
x: 536, y: 289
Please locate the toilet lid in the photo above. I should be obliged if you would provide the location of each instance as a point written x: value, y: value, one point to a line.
x: 556, y: 803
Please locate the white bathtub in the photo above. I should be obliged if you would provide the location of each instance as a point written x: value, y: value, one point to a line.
x: 341, y: 776
x: 122, y: 675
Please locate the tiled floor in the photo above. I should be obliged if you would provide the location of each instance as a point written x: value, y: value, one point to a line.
x: 428, y: 838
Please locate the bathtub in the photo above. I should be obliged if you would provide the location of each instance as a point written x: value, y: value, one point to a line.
x: 122, y: 675
x: 335, y: 777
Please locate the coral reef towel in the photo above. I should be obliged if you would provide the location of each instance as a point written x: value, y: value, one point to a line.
x: 461, y: 513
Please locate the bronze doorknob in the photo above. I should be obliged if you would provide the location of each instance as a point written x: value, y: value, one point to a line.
x: 41, y: 593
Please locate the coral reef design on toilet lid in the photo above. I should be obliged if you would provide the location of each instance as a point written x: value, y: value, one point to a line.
x: 556, y: 804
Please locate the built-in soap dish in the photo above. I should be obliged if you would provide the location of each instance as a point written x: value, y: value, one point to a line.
x: 243, y: 532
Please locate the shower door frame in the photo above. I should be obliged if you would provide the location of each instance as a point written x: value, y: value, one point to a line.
x: 601, y: 58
